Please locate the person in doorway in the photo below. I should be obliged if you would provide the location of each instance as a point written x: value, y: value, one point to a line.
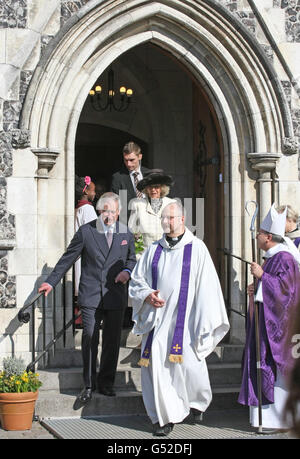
x: 131, y: 173
x: 85, y: 193
x: 127, y: 179
x: 100, y: 188
x: 107, y: 252
x: 84, y: 213
x: 179, y: 309
x: 292, y: 231
x: 145, y: 217
x: 278, y: 294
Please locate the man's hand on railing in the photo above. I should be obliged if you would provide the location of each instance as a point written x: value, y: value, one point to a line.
x: 45, y: 288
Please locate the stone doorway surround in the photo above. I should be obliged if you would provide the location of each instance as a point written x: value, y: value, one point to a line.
x: 223, y: 58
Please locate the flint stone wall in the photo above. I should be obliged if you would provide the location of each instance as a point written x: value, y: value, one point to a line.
x: 26, y: 29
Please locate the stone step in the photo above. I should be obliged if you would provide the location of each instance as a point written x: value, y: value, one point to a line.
x: 224, y: 353
x: 128, y: 339
x: 64, y: 379
x: 63, y: 404
x: 128, y: 377
x: 65, y: 358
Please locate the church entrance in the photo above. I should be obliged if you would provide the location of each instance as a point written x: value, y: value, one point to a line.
x: 171, y: 119
x: 208, y: 110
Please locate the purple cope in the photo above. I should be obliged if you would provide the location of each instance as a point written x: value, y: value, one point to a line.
x: 281, y: 295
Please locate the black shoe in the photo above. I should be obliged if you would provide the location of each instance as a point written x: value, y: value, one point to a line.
x: 162, y: 431
x: 197, y: 415
x: 85, y: 395
x: 271, y: 431
x: 107, y: 391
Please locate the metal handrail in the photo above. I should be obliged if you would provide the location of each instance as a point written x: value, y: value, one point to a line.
x: 230, y: 255
x: 25, y: 316
x: 52, y: 343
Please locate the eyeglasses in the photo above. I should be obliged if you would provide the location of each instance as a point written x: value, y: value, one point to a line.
x: 104, y: 211
x: 261, y: 232
x: 170, y: 218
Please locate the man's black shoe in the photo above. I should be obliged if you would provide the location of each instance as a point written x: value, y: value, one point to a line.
x: 197, y: 415
x: 107, y: 391
x: 85, y: 395
x: 162, y: 431
x: 272, y: 431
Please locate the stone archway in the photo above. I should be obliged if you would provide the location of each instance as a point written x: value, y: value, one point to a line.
x: 220, y: 54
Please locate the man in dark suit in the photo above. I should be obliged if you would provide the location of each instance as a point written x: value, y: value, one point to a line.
x: 125, y: 181
x: 131, y: 173
x: 107, y: 252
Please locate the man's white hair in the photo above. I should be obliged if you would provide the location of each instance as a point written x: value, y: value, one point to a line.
x: 177, y: 203
x: 107, y: 197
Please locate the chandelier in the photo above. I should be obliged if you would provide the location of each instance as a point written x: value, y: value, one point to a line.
x: 110, y: 100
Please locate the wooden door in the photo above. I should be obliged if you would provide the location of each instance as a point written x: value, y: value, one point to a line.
x: 209, y: 173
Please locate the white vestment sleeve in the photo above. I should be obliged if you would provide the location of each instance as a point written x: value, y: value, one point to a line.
x: 211, y: 322
x: 143, y: 314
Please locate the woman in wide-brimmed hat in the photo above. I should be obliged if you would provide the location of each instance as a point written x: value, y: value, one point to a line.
x: 145, y: 217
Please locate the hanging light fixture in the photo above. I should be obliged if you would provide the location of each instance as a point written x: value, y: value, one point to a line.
x: 101, y: 102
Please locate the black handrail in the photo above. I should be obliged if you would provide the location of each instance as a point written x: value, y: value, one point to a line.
x: 25, y: 316
x: 229, y: 256
x: 31, y: 366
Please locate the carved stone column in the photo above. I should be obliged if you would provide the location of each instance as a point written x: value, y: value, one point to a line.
x: 46, y: 160
x: 265, y: 163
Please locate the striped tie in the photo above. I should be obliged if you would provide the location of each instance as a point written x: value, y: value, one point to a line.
x: 109, y: 237
x: 136, y: 181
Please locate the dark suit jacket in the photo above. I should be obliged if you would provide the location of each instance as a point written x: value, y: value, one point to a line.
x: 99, y: 265
x: 121, y: 181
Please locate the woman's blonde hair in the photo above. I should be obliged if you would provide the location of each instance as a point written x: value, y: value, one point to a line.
x: 164, y: 190
x: 290, y: 213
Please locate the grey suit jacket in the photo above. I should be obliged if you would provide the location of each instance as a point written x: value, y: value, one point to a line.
x: 99, y: 265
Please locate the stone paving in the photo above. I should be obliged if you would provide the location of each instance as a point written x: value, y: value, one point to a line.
x: 37, y: 432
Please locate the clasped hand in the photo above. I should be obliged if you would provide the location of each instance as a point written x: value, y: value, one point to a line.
x: 122, y: 277
x: 154, y: 300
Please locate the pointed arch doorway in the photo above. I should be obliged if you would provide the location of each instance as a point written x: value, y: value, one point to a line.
x: 172, y: 120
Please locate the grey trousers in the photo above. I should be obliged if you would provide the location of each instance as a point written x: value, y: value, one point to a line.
x: 112, y: 320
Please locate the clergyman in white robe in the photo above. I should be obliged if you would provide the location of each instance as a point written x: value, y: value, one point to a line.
x: 170, y: 389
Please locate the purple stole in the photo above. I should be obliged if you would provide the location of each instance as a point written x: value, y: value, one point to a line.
x: 177, y: 342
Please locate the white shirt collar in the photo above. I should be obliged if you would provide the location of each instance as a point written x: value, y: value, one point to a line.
x: 136, y: 170
x: 276, y: 249
x: 102, y: 228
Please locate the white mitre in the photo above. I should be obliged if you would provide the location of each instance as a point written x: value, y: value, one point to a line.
x: 274, y: 222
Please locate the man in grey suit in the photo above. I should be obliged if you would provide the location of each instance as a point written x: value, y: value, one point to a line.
x: 107, y: 251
